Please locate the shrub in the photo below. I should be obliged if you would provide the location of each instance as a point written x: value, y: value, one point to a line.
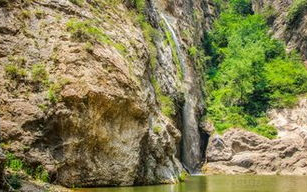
x: 182, y: 176
x: 26, y: 14
x: 55, y: 88
x: 41, y: 174
x: 269, y: 13
x: 77, y: 2
x: 243, y: 7
x: 296, y: 10
x: 15, y: 72
x: 14, y: 180
x: 157, y: 129
x: 13, y: 163
x: 286, y: 79
x: 39, y: 13
x: 139, y: 5
x: 85, y: 31
x: 88, y: 31
x: 39, y: 73
x: 192, y: 51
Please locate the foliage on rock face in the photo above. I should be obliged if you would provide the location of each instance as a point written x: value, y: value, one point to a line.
x: 296, y: 10
x: 39, y: 73
x: 14, y: 181
x: 89, y: 31
x: 17, y: 166
x: 166, y: 103
x: 250, y: 72
x: 15, y: 69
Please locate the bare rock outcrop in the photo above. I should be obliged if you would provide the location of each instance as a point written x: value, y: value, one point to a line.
x: 294, y: 33
x: 241, y: 152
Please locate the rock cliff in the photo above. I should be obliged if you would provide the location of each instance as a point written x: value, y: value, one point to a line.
x: 2, y: 162
x: 290, y: 27
x: 92, y: 90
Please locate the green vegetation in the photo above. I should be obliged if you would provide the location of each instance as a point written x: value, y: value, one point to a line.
x: 166, y: 102
x: 18, y: 167
x: 26, y: 14
x: 55, y: 89
x: 77, y: 2
x: 269, y: 13
x: 243, y: 7
x: 182, y: 176
x: 296, y: 10
x: 39, y: 13
x: 250, y: 72
x: 39, y: 73
x: 14, y: 181
x: 13, y: 163
x: 150, y: 34
x: 15, y: 72
x: 41, y: 174
x: 15, y: 68
x: 157, y: 129
x: 175, y: 57
x: 88, y: 31
x: 89, y: 47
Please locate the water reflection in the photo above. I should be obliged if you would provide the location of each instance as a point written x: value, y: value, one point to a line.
x: 222, y: 183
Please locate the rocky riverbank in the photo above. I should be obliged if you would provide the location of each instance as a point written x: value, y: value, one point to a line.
x: 242, y: 152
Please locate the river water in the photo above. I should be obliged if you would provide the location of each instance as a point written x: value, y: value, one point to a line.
x: 222, y: 183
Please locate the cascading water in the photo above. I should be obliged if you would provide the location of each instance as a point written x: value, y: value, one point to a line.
x: 191, y: 145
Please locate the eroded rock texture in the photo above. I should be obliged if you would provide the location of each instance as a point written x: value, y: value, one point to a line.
x: 240, y: 152
x: 2, y: 162
x: 91, y: 121
x: 294, y: 33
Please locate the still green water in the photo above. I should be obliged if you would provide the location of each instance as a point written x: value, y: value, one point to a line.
x: 222, y: 183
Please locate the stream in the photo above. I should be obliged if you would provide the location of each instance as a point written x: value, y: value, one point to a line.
x: 221, y: 183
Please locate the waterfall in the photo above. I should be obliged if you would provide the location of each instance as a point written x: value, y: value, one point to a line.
x: 191, y: 140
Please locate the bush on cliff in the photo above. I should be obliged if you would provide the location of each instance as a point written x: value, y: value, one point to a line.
x: 296, y: 10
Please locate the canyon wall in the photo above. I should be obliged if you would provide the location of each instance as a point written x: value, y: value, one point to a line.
x: 86, y: 96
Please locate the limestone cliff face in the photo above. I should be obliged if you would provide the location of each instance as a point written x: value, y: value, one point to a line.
x: 90, y: 113
x: 294, y: 33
